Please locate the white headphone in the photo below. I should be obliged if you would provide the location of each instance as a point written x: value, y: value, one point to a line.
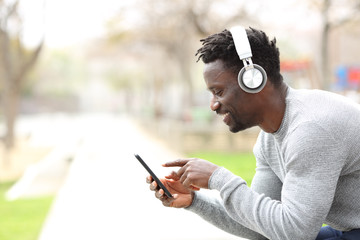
x: 252, y: 77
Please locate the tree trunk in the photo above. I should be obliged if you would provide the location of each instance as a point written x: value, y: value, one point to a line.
x: 325, y: 71
x: 10, y: 108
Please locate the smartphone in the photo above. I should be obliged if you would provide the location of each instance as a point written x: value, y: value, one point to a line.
x: 157, y: 180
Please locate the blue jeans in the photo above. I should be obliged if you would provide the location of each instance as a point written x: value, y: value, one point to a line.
x: 328, y: 233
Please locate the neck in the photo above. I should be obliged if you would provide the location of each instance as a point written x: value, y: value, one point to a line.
x: 275, y: 106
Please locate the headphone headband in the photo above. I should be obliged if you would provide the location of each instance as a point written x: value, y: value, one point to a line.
x: 241, y: 42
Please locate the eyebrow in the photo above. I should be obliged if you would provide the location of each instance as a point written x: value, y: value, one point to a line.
x: 214, y: 89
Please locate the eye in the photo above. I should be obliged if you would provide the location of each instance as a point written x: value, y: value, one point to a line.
x: 218, y: 92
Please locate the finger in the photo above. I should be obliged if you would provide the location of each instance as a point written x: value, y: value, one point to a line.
x: 153, y: 186
x: 173, y: 175
x: 186, y: 181
x: 149, y: 179
x: 176, y: 163
x: 194, y: 188
x: 168, y: 202
x: 159, y: 194
x: 181, y: 171
x: 183, y: 175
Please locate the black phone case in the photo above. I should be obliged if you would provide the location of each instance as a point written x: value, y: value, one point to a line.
x: 161, y: 185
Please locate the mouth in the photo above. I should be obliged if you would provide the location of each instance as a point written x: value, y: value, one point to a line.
x: 226, y: 117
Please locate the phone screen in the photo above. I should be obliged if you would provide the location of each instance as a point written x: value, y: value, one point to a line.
x: 160, y: 184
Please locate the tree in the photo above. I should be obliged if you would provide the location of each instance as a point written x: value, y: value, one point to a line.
x: 174, y: 28
x: 15, y: 63
x: 334, y: 14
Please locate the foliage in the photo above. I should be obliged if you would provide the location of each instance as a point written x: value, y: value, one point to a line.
x: 241, y: 164
x: 21, y: 219
x: 124, y: 81
x: 59, y: 74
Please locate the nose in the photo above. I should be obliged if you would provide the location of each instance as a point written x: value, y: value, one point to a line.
x: 214, y: 105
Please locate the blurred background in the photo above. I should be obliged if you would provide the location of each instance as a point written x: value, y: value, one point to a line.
x: 76, y: 70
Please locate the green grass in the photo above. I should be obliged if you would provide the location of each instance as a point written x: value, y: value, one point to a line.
x: 21, y: 219
x: 241, y: 164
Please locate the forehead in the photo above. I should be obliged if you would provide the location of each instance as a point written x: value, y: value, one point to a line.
x: 212, y: 67
x: 216, y: 72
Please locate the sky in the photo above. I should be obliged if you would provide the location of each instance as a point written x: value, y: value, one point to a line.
x: 70, y: 22
x: 66, y: 22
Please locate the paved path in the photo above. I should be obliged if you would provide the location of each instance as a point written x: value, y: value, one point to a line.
x: 105, y: 195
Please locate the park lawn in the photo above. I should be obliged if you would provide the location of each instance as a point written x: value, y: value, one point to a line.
x: 241, y: 164
x: 21, y: 219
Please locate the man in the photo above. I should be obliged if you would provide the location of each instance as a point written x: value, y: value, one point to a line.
x: 307, y: 153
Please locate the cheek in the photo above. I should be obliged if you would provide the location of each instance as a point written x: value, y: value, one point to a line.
x: 239, y: 105
x: 235, y: 98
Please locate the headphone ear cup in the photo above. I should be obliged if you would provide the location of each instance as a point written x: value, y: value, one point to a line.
x: 252, y: 80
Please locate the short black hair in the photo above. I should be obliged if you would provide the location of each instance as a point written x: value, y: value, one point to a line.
x: 265, y: 53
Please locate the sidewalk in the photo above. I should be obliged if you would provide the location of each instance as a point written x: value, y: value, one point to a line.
x: 105, y: 195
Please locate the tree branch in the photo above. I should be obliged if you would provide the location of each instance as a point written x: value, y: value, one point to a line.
x: 24, y: 68
x: 11, y: 9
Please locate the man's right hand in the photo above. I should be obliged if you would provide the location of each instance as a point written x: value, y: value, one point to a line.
x: 182, y: 197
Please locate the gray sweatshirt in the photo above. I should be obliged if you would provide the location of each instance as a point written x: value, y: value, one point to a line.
x: 307, y: 174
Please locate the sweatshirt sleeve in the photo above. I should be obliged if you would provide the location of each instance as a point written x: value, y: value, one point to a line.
x: 313, y: 164
x: 212, y: 210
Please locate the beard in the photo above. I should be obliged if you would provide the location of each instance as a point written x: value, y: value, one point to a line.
x: 238, y: 125
x: 237, y: 128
